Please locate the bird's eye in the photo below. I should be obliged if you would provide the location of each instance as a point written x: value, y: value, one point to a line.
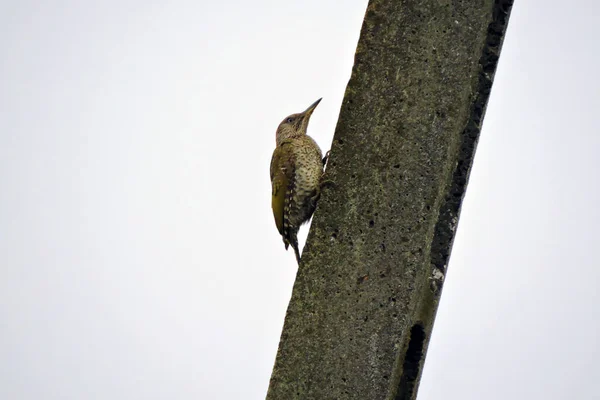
x: 289, y: 120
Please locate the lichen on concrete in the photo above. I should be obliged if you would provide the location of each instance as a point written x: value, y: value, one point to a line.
x: 400, y: 161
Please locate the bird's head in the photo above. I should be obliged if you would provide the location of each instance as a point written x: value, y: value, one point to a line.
x: 295, y: 125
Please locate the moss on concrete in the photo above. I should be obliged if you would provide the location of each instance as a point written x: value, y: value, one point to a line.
x: 375, y: 259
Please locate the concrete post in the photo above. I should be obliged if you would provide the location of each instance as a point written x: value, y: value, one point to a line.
x: 367, y: 290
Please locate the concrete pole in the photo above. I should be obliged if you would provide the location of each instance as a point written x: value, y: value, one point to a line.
x: 367, y: 290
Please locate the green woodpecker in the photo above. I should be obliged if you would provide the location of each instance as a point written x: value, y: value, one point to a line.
x: 296, y: 173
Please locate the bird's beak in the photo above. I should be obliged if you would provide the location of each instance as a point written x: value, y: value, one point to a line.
x: 311, y: 108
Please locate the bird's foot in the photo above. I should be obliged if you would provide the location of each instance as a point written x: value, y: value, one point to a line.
x: 327, y: 183
x: 326, y: 158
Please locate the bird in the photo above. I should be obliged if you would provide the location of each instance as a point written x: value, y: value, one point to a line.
x: 297, y: 167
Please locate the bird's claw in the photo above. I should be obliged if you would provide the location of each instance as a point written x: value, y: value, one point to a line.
x: 327, y: 183
x: 326, y: 158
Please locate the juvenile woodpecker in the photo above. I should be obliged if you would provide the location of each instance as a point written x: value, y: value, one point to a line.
x: 296, y: 173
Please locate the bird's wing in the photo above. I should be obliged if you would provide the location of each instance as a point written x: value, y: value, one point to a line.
x: 282, y: 182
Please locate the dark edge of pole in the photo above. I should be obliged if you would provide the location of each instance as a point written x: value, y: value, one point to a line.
x: 409, y: 368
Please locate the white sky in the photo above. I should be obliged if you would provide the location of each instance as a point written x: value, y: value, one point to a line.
x: 138, y: 254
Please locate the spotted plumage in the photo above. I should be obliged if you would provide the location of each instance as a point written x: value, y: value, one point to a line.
x: 296, y: 173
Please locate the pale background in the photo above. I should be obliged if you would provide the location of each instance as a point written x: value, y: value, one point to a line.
x: 138, y: 254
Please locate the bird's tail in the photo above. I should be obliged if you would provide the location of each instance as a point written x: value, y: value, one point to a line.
x: 293, y: 241
x: 296, y: 251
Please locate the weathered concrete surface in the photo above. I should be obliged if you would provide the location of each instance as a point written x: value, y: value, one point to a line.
x: 372, y: 270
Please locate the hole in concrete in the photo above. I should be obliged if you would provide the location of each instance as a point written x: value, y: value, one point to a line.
x: 412, y: 363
